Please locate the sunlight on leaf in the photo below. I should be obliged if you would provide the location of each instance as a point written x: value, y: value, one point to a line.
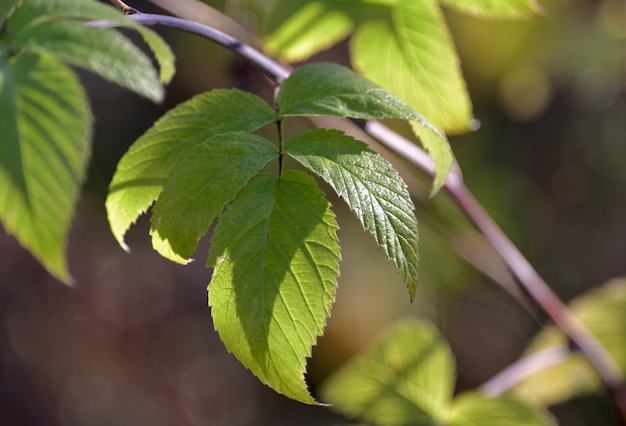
x: 44, y: 148
x: 298, y: 29
x: 603, y: 312
x: 406, y: 378
x: 371, y: 187
x: 496, y: 8
x: 410, y: 53
x: 332, y: 90
x: 275, y: 254
x: 201, y: 185
x: 144, y: 169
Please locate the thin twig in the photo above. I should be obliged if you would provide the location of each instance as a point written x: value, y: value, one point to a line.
x: 124, y: 8
x: 526, y: 275
x: 524, y: 368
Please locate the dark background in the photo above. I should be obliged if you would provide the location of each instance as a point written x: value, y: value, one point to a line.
x: 132, y: 342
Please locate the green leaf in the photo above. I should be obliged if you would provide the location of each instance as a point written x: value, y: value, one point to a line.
x: 371, y: 187
x: 275, y: 254
x: 441, y: 153
x: 405, y: 379
x: 34, y: 12
x: 335, y: 91
x: 144, y: 169
x: 298, y: 28
x: 409, y: 52
x: 161, y: 50
x: 6, y: 7
x: 201, y: 185
x: 101, y: 50
x: 496, y: 8
x: 472, y: 409
x: 44, y: 148
x: 332, y: 90
x: 603, y: 312
x: 41, y: 13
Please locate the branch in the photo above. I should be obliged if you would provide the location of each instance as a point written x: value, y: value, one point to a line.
x: 523, y: 271
x: 524, y: 368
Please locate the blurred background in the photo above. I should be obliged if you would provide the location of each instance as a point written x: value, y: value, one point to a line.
x: 132, y: 343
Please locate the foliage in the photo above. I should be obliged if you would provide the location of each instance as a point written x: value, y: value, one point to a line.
x: 603, y: 312
x: 274, y: 247
x: 402, y: 45
x: 274, y: 251
x: 408, y: 379
x: 44, y: 114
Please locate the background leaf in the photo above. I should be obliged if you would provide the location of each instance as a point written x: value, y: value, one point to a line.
x: 36, y: 23
x: 496, y: 8
x: 407, y: 378
x: 101, y: 50
x: 6, y: 7
x: 143, y: 170
x: 44, y: 148
x: 472, y: 409
x: 371, y: 187
x: 275, y: 254
x: 298, y: 28
x: 335, y: 91
x: 409, y: 52
x: 603, y: 312
x: 201, y: 185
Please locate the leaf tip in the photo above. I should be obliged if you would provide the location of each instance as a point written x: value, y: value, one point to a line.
x: 474, y: 124
x: 124, y: 246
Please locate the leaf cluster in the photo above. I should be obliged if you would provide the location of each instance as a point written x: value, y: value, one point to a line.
x: 274, y: 249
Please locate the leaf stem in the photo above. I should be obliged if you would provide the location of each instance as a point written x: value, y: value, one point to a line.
x: 279, y: 125
x: 525, y: 274
x: 524, y: 368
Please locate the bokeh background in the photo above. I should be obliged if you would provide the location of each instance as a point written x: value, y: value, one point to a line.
x: 132, y: 342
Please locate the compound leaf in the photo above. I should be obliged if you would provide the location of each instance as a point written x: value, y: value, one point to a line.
x: 472, y: 409
x: 144, y: 169
x: 407, y: 378
x: 410, y: 53
x: 496, y: 8
x: 275, y: 254
x: 332, y: 90
x: 44, y: 149
x: 201, y: 185
x: 371, y: 187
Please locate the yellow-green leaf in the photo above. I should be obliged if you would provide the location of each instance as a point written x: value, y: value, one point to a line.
x: 409, y: 52
x: 44, y: 149
x: 275, y: 254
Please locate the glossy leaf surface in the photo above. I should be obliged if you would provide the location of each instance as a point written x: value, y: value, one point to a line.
x: 331, y: 90
x: 371, y: 187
